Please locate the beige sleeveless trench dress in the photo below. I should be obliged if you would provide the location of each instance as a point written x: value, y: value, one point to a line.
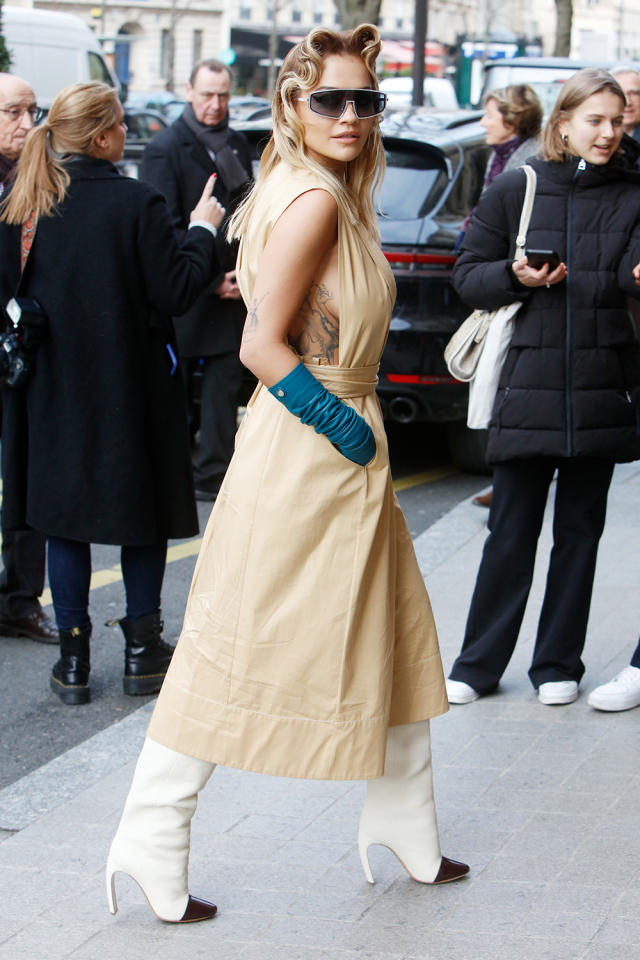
x: 308, y: 628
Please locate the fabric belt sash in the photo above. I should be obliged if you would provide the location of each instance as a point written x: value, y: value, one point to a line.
x: 345, y: 382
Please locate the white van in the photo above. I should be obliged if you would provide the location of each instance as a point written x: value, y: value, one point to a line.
x: 51, y: 50
x: 438, y: 92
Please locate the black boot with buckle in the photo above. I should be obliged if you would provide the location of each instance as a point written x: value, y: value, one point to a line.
x: 70, y: 675
x: 146, y: 656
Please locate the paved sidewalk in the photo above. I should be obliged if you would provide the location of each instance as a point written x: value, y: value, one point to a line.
x: 541, y: 801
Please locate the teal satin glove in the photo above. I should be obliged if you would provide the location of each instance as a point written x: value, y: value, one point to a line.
x: 308, y: 399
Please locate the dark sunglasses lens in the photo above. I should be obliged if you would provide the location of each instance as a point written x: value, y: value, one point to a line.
x: 329, y: 103
x: 332, y: 103
x: 368, y: 103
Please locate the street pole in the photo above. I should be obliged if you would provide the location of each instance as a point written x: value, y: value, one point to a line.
x: 419, y: 41
x: 273, y: 50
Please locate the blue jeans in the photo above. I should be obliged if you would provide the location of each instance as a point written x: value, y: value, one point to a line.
x: 69, y: 566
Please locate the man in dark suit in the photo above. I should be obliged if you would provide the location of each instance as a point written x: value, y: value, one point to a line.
x: 23, y: 549
x: 178, y: 162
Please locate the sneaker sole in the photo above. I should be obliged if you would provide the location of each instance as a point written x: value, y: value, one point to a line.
x: 612, y: 707
x: 557, y: 701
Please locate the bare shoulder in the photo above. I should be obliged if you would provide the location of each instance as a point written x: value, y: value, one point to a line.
x: 315, y: 207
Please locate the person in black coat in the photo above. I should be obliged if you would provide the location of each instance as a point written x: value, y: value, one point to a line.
x: 177, y: 163
x: 569, y: 393
x: 100, y: 427
x: 23, y: 550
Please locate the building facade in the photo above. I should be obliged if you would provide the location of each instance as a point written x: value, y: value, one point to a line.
x: 153, y: 43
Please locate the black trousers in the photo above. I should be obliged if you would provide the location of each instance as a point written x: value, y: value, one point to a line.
x: 520, y: 489
x: 22, y: 580
x: 219, y: 393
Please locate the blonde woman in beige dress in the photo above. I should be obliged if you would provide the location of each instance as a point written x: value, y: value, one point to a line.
x: 308, y: 647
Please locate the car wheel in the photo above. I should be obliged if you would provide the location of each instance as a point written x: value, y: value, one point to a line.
x: 468, y: 448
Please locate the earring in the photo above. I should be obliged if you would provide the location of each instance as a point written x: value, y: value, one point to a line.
x: 564, y: 138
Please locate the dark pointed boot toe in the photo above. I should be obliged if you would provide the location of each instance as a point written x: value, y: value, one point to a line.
x: 451, y: 870
x: 198, y: 910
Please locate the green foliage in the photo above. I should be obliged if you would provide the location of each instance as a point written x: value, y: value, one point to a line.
x: 5, y: 59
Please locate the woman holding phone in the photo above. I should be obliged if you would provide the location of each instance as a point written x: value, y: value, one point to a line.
x: 569, y: 393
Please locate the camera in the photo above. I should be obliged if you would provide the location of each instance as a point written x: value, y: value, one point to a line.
x: 17, y: 346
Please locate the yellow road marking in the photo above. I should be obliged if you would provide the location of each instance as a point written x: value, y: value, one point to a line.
x: 429, y: 476
x: 189, y: 548
x: 101, y: 578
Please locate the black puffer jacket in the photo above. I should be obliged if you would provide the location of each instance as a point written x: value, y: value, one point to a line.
x: 570, y: 386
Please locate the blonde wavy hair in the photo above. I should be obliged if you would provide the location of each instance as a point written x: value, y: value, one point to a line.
x: 300, y: 73
x: 77, y: 116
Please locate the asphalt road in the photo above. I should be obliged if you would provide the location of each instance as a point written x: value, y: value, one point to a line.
x: 35, y: 726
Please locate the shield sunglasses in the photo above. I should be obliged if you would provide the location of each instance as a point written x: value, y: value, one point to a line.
x: 333, y: 103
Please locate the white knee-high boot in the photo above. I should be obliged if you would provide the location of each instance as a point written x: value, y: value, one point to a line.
x: 151, y: 844
x: 399, y: 810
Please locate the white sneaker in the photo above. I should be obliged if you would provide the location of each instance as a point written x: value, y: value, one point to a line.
x: 459, y: 692
x: 558, y: 691
x: 621, y: 693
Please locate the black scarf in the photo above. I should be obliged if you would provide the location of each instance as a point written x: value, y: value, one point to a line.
x: 216, y: 140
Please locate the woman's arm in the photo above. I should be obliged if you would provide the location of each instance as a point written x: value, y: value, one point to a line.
x: 298, y: 245
x: 176, y: 274
x: 483, y: 275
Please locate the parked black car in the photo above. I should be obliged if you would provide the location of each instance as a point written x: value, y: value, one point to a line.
x: 435, y: 170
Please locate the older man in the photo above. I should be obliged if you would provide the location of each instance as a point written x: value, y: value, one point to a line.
x: 178, y: 162
x: 629, y: 80
x: 23, y: 549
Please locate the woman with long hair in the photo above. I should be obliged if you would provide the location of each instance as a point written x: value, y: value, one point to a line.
x: 308, y: 647
x: 96, y: 445
x: 569, y: 393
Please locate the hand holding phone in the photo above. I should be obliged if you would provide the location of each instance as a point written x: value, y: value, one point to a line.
x: 538, y: 258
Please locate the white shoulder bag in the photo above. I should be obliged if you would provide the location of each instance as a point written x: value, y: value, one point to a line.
x: 478, y: 349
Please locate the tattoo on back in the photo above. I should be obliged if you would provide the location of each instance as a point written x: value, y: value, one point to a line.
x: 316, y: 333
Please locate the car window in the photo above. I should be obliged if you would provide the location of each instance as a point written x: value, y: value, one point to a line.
x: 467, y: 187
x: 143, y: 126
x: 413, y: 183
x: 98, y: 70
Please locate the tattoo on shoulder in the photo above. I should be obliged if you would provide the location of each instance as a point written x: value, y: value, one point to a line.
x: 251, y: 323
x: 318, y: 331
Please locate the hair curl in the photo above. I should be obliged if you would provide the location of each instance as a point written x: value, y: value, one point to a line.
x: 78, y: 114
x: 301, y: 72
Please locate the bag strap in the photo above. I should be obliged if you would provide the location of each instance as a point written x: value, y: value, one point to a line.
x: 527, y: 207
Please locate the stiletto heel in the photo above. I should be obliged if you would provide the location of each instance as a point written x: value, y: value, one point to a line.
x: 363, y: 847
x: 111, y: 890
x: 194, y: 911
x: 399, y: 811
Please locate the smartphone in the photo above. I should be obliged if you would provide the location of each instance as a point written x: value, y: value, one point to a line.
x: 538, y: 258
